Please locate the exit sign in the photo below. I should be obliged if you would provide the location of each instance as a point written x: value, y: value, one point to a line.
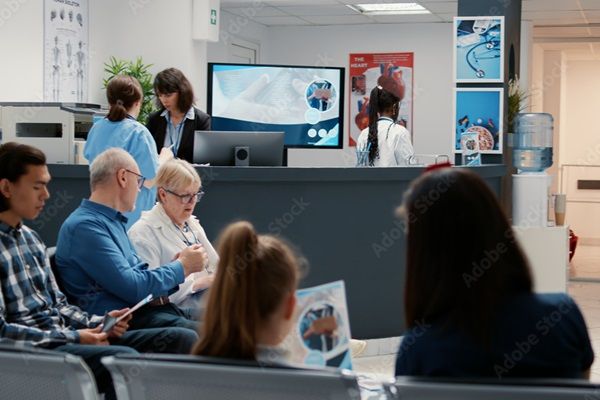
x: 213, y: 17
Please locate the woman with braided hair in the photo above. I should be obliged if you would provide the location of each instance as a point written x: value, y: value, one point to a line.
x: 387, y: 141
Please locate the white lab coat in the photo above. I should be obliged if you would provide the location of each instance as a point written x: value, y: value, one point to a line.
x: 156, y: 241
x: 395, y: 147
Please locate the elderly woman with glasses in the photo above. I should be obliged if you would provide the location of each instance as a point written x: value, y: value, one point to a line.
x: 170, y: 227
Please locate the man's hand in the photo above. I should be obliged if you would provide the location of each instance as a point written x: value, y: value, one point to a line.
x: 93, y: 336
x: 193, y: 259
x: 121, y: 327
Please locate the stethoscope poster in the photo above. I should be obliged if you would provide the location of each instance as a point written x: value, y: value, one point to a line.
x: 479, y: 110
x: 479, y: 49
x: 394, y: 73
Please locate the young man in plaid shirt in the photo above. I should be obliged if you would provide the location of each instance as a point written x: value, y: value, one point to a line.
x: 33, y: 311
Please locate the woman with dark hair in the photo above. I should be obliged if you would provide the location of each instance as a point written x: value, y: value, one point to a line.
x: 174, y: 124
x: 387, y: 142
x: 468, y: 301
x: 121, y: 129
x: 252, y: 299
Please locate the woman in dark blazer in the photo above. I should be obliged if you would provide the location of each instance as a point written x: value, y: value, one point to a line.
x: 173, y: 125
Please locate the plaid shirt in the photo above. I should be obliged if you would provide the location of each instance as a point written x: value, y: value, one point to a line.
x: 32, y: 309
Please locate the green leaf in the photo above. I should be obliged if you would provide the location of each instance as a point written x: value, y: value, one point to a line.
x: 141, y: 72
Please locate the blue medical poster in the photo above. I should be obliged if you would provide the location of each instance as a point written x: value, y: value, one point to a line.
x: 321, y: 335
x: 479, y: 49
x: 480, y: 111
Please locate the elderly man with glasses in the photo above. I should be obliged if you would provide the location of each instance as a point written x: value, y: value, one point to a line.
x: 99, y: 267
x: 170, y: 227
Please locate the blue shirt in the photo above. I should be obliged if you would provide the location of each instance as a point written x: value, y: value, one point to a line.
x: 134, y: 138
x: 32, y: 308
x: 99, y: 266
x: 174, y: 132
x: 534, y: 335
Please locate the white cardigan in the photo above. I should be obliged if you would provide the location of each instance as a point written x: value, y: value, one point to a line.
x: 156, y: 241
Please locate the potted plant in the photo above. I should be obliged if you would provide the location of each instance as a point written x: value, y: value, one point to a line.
x: 141, y: 72
x: 516, y: 101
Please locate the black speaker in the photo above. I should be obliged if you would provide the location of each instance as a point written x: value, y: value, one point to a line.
x: 241, y: 155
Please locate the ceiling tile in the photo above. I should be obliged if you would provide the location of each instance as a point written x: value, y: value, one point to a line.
x: 300, y: 2
x: 538, y: 15
x: 339, y: 9
x: 590, y: 4
x: 554, y: 32
x: 238, y: 3
x: 592, y: 15
x: 440, y: 7
x: 255, y: 12
x: 339, y: 20
x: 278, y: 21
x: 396, y: 19
x: 559, y: 21
x: 447, y: 17
x: 550, y: 5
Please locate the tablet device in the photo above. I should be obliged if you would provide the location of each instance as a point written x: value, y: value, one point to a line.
x: 109, y: 322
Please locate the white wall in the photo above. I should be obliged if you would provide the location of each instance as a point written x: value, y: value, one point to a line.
x: 330, y: 45
x: 236, y: 28
x: 155, y: 30
x: 22, y: 49
x: 582, y: 104
x: 582, y: 144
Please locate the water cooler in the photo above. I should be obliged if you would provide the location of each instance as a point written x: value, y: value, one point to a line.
x: 532, y: 155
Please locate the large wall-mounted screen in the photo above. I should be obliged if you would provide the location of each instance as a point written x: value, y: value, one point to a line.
x: 305, y: 102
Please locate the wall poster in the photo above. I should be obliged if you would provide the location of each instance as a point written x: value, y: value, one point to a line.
x: 393, y: 72
x: 66, y: 50
x: 479, y: 110
x: 478, y: 49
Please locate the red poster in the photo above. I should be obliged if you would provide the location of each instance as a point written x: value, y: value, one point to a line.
x: 393, y: 72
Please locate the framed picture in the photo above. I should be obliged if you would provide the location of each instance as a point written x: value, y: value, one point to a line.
x: 479, y: 110
x: 393, y: 72
x: 478, y: 49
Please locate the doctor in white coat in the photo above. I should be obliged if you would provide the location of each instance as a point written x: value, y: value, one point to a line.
x: 169, y: 227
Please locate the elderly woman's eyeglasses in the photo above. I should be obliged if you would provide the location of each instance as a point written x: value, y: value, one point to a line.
x: 140, y: 178
x: 187, y: 198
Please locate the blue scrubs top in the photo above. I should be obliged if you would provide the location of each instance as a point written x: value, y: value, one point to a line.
x: 134, y: 138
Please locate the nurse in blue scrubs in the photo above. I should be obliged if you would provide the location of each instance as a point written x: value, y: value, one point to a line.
x: 121, y: 129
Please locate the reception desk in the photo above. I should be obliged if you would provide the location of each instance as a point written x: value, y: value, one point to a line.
x: 341, y: 219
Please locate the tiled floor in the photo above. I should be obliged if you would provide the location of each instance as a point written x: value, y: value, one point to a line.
x: 379, y: 357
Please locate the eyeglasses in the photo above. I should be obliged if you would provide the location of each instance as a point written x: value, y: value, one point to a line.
x: 140, y: 178
x: 187, y: 198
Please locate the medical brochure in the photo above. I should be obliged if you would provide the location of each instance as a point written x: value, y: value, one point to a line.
x: 321, y: 334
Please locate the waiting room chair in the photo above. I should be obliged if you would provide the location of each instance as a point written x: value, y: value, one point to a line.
x: 52, y: 257
x: 33, y: 374
x: 157, y: 377
x: 412, y: 388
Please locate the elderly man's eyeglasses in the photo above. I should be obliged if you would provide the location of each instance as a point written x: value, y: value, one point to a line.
x: 140, y: 178
x: 187, y: 198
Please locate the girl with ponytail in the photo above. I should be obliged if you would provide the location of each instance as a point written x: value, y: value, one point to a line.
x: 121, y: 129
x: 251, y: 303
x: 388, y: 142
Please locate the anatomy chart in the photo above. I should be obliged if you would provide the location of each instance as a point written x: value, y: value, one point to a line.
x: 66, y: 50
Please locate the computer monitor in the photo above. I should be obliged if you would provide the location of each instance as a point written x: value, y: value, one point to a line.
x: 306, y: 102
x: 230, y: 148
